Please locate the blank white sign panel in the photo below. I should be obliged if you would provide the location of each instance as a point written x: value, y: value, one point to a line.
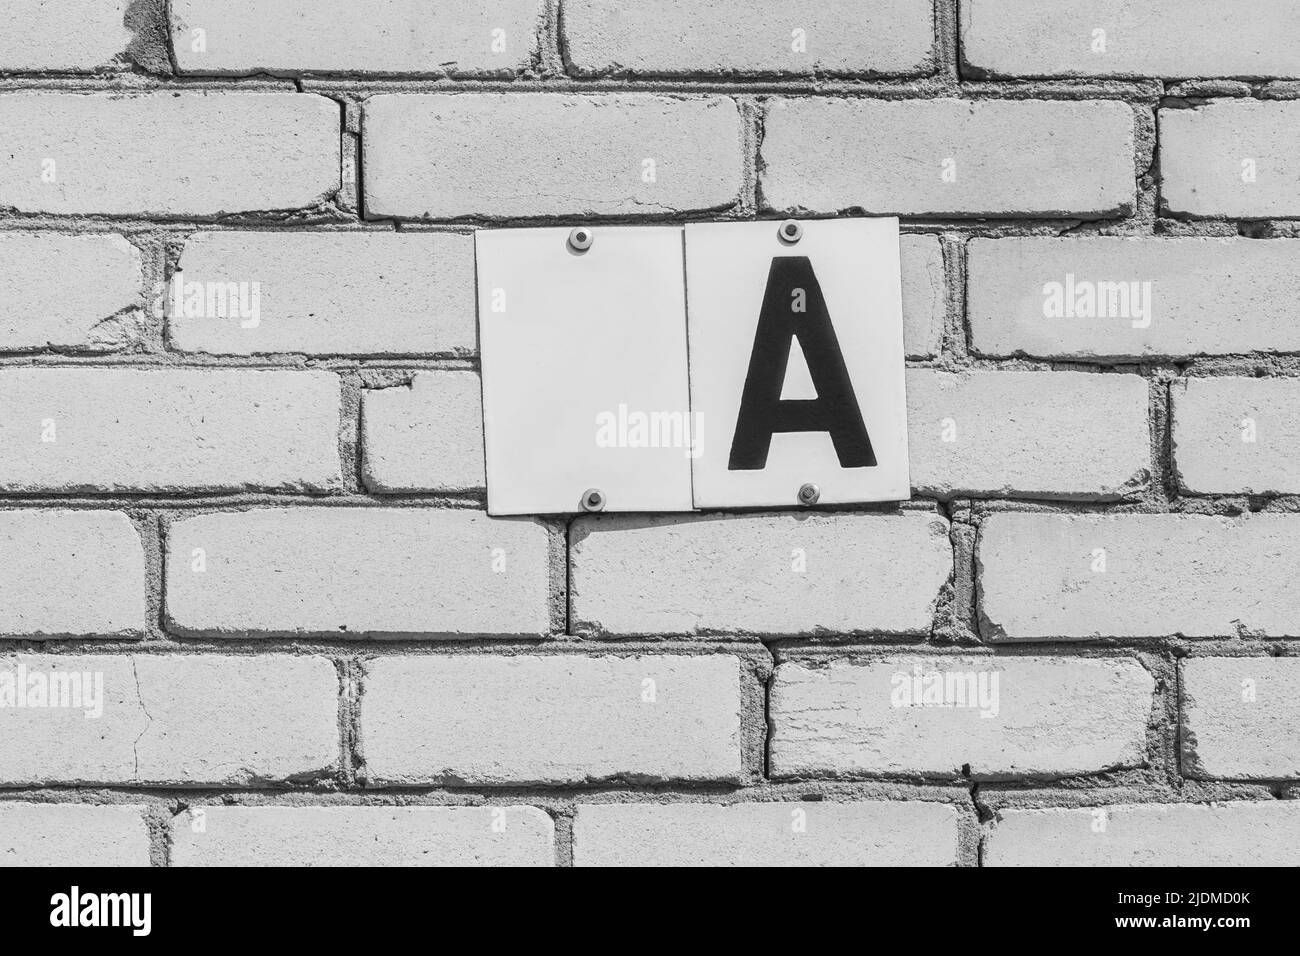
x: 812, y: 394
x: 584, y: 370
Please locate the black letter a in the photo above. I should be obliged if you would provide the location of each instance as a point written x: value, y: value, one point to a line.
x: 793, y: 307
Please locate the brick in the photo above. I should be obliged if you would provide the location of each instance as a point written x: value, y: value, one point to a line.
x: 681, y: 37
x: 334, y: 36
x: 925, y: 303
x: 1225, y: 834
x: 1030, y: 157
x: 774, y: 574
x: 822, y: 833
x: 41, y: 744
x: 1236, y: 435
x: 236, y: 721
x: 1142, y: 38
x: 1031, y: 434
x: 1239, y: 716
x: 1231, y: 158
x: 448, y: 155
x: 357, y: 572
x: 424, y: 437
x: 70, y: 574
x: 1002, y: 718
x: 60, y: 291
x: 65, y: 36
x: 184, y: 720
x: 363, y: 836
x: 104, y: 430
x: 1167, y: 574
x: 168, y: 154
x: 72, y: 835
x: 1159, y: 298
x: 477, y: 720
x: 332, y: 293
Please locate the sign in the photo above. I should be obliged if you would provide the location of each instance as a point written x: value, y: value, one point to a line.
x: 796, y: 353
x: 582, y: 334
x: 796, y: 374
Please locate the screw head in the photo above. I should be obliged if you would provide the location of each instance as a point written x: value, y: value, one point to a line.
x: 593, y: 499
x: 809, y: 493
x: 581, y: 238
x: 790, y: 232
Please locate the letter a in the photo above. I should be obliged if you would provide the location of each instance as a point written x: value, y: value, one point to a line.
x: 762, y: 411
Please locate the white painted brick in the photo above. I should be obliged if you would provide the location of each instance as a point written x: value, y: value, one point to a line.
x: 66, y: 36
x: 236, y: 720
x: 1151, y: 38
x: 1030, y: 434
x: 334, y: 293
x: 445, y: 155
x: 1206, y: 296
x: 1204, y: 154
x: 363, y: 836
x: 68, y: 292
x: 70, y: 574
x: 820, y: 833
x: 1044, y: 717
x: 72, y: 835
x: 1241, y: 833
x: 337, y: 36
x: 675, y: 37
x: 1165, y: 574
x: 1031, y: 157
x: 358, y: 572
x: 185, y: 720
x: 168, y: 154
x: 740, y: 574
x: 168, y: 430
x: 1240, y: 717
x: 425, y: 437
x: 924, y: 297
x: 493, y: 721
x: 1237, y: 435
x: 66, y: 744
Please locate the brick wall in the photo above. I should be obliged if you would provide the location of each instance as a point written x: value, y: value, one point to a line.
x: 264, y: 534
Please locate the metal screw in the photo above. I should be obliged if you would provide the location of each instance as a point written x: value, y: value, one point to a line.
x: 580, y: 239
x: 593, y: 499
x: 809, y: 493
x: 791, y: 231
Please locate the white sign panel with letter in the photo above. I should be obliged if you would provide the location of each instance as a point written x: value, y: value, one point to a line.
x: 796, y: 362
